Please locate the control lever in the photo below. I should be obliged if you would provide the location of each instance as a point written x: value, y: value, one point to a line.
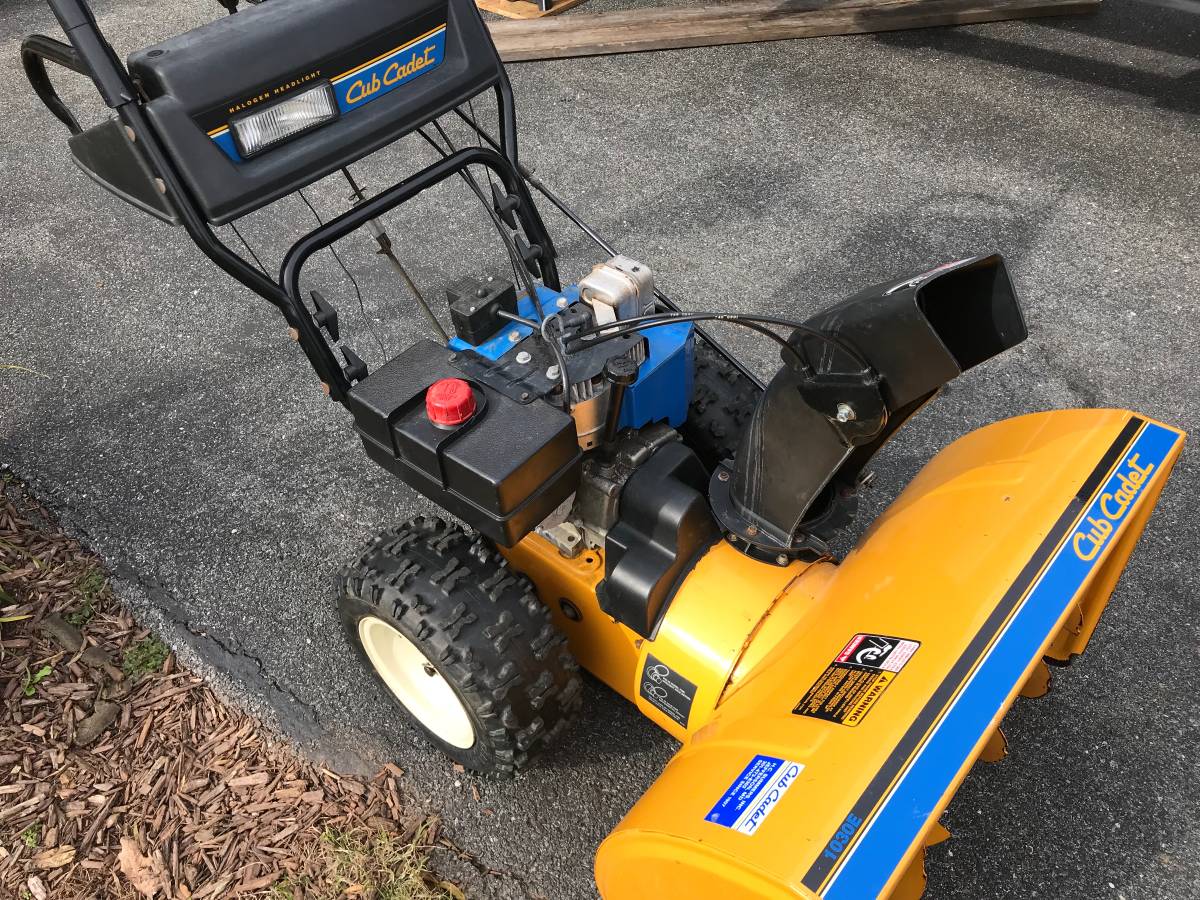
x: 620, y: 372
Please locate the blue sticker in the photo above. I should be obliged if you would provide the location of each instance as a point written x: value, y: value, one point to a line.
x: 390, y: 71
x: 752, y: 796
x: 370, y: 80
x: 885, y: 838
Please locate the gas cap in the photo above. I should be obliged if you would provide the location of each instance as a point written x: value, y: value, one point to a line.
x: 449, y: 402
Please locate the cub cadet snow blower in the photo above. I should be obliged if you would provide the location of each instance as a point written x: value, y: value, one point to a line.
x: 634, y: 499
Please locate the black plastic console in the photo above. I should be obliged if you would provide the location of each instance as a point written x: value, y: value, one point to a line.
x: 391, y: 65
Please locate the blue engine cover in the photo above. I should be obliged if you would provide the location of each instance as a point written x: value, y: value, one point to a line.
x: 664, y: 385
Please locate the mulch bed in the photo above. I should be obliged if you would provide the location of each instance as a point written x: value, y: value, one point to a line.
x: 121, y: 776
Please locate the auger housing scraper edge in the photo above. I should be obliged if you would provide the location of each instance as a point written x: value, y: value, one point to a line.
x: 635, y: 502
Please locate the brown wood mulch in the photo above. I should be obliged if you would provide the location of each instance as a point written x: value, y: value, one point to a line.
x: 120, y: 785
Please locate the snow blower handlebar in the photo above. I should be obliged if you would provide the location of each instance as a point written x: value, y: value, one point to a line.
x: 179, y: 150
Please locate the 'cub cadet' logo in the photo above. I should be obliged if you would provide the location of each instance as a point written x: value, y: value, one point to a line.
x: 1088, y: 544
x: 397, y: 71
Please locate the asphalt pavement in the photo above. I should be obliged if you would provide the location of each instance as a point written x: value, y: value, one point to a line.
x: 162, y: 410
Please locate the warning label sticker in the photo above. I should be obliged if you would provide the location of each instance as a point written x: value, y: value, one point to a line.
x: 856, y: 679
x: 667, y: 690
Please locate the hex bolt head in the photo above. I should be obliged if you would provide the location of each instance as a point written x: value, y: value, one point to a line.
x: 552, y: 373
x: 845, y: 412
x: 752, y: 530
x: 723, y: 475
x: 514, y: 335
x: 561, y: 302
x: 781, y: 560
x: 523, y: 357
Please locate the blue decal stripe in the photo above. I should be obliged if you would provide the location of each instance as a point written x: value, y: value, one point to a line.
x: 370, y: 80
x: 224, y: 140
x: 390, y: 71
x: 910, y: 742
x: 388, y: 55
x: 882, y: 843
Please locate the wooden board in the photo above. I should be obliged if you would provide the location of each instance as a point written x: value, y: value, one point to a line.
x: 629, y: 31
x: 524, y: 9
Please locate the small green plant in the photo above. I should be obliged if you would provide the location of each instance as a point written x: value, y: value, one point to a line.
x: 32, y: 835
x: 144, y: 657
x: 33, y: 679
x: 82, y: 614
x: 286, y: 888
x: 90, y: 587
x: 379, y: 865
x: 91, y: 584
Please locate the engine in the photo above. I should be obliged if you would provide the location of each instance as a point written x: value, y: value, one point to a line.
x: 509, y: 431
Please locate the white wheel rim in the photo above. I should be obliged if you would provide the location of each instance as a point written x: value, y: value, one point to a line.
x: 410, y: 675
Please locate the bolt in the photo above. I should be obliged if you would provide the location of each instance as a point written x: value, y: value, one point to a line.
x: 845, y: 412
x: 524, y: 395
x: 561, y: 302
x: 781, y: 560
x: 752, y: 530
x: 523, y: 357
x: 452, y: 357
x: 552, y: 373
x: 723, y: 475
x: 514, y: 335
x: 429, y: 670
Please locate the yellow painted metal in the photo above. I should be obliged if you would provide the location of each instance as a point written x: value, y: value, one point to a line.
x: 607, y: 650
x: 1038, y: 684
x: 932, y: 568
x: 711, y: 621
x: 995, y: 748
x: 753, y: 638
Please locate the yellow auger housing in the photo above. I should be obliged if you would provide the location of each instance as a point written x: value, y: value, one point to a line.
x: 828, y: 712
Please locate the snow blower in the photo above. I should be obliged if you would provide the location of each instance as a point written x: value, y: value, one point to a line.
x: 634, y: 501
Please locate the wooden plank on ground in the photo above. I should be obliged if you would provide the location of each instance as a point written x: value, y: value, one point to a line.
x: 663, y: 28
x: 524, y: 9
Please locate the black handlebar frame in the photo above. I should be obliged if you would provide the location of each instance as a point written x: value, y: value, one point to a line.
x: 90, y: 54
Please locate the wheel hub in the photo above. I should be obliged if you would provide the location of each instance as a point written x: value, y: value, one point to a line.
x: 416, y: 682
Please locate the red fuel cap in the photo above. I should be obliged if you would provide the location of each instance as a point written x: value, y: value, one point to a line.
x: 449, y: 402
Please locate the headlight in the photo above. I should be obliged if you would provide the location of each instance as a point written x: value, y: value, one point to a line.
x: 264, y: 128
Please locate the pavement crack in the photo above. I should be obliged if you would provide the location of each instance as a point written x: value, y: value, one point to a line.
x: 228, y: 658
x: 488, y: 872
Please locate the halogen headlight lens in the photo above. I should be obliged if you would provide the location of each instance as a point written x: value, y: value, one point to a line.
x: 264, y: 128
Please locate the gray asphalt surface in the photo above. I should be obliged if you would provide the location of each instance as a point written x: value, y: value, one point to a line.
x: 173, y: 424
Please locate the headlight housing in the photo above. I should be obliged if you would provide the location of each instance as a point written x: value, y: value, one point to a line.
x: 300, y: 112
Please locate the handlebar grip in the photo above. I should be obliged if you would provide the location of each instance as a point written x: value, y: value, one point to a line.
x: 99, y: 59
x: 35, y: 50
